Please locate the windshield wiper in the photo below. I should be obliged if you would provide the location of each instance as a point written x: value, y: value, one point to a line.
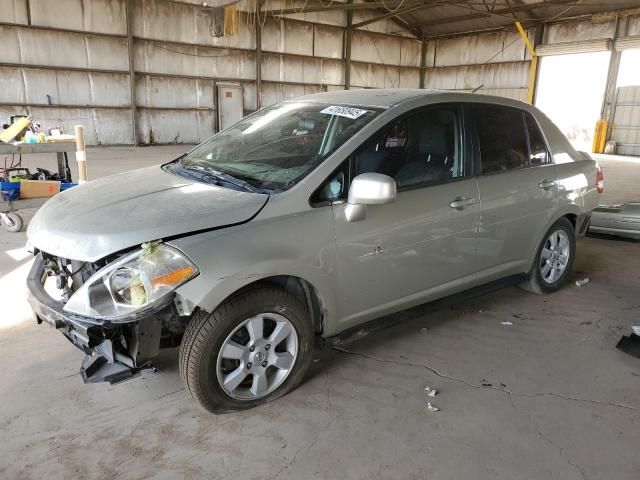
x: 221, y: 176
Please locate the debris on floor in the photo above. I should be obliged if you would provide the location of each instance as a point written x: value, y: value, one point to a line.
x: 431, y: 392
x: 507, y: 323
x: 582, y: 282
x: 630, y: 344
x: 431, y: 408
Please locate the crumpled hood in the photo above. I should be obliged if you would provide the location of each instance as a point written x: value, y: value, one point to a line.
x: 102, y: 217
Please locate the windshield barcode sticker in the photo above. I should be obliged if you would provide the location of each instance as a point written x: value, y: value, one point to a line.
x: 348, y: 112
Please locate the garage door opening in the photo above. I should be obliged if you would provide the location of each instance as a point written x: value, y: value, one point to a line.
x: 570, y: 91
x: 629, y: 73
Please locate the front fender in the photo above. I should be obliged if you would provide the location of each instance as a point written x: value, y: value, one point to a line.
x: 293, y: 245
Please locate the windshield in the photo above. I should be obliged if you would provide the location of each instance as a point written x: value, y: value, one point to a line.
x: 275, y: 148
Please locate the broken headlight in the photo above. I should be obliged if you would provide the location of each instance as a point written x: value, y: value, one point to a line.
x: 132, y: 282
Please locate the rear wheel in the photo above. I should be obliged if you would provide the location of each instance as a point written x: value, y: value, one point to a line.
x: 554, y: 259
x: 254, y: 348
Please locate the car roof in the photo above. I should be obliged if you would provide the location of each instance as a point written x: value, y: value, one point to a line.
x: 389, y: 97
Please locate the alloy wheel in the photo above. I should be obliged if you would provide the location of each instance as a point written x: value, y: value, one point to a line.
x: 554, y: 257
x: 257, y: 356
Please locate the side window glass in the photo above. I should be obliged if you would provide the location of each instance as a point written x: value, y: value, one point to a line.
x: 502, y: 139
x: 334, y: 188
x: 537, y: 148
x: 423, y: 149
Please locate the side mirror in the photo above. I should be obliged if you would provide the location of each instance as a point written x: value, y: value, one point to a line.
x: 369, y: 189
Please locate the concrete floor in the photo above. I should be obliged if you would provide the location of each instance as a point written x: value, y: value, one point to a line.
x: 547, y: 397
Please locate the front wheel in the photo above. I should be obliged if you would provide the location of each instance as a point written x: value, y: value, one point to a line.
x: 554, y: 259
x: 254, y: 348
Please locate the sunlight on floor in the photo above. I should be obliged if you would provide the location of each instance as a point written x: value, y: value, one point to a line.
x: 13, y: 297
x: 18, y: 254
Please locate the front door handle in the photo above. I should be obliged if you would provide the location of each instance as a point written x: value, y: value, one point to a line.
x: 546, y: 184
x: 460, y: 202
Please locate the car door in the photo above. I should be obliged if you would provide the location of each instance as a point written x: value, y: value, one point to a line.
x: 518, y: 188
x: 422, y: 245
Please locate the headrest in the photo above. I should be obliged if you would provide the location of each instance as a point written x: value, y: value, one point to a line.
x: 306, y: 124
x: 433, y: 140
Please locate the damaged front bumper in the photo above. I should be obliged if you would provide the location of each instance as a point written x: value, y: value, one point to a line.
x: 113, y: 351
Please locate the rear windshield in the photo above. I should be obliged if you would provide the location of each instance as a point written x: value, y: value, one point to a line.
x: 275, y: 148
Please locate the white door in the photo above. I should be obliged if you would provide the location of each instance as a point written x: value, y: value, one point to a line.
x: 230, y: 105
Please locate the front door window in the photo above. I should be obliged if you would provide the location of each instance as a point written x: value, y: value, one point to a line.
x: 422, y: 149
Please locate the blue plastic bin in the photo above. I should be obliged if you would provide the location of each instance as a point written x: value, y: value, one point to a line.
x: 10, y: 191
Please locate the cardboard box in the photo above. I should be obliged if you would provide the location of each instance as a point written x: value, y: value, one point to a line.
x: 39, y: 188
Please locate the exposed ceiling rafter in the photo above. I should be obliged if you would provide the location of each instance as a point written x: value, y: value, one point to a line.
x: 387, y: 6
x: 503, y: 12
x: 414, y: 16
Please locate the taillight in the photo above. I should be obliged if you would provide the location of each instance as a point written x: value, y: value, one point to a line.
x: 599, y: 180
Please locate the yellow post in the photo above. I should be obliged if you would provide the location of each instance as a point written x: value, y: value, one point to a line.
x: 534, y: 62
x: 600, y: 136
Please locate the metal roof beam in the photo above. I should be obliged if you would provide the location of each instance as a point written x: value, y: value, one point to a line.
x: 322, y: 8
x: 393, y: 16
x: 317, y: 7
x: 499, y: 13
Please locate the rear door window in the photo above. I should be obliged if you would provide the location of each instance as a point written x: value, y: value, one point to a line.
x: 538, y: 153
x: 502, y: 138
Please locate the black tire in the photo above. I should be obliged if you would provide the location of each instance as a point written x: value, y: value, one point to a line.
x: 14, y: 224
x: 535, y: 283
x: 206, y: 333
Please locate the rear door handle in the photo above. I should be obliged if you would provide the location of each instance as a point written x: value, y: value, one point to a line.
x: 460, y: 202
x: 546, y: 184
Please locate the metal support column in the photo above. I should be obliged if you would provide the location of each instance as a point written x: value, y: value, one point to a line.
x: 423, y: 63
x: 258, y: 56
x: 132, y: 71
x: 538, y: 40
x: 608, y: 109
x: 534, y: 63
x: 347, y: 49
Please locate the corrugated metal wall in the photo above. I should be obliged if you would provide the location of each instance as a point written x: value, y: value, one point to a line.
x: 66, y: 62
x: 73, y: 55
x: 497, y: 63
